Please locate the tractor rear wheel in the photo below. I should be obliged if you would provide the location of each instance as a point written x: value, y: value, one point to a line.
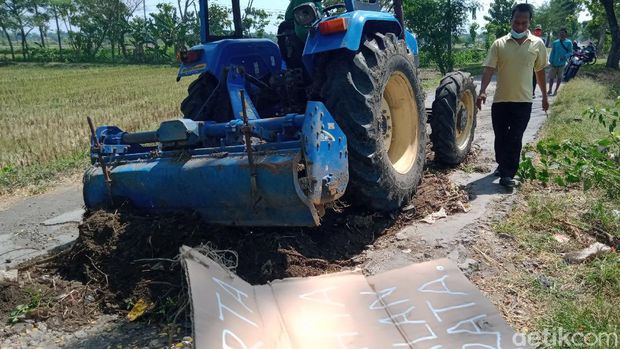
x: 375, y: 97
x: 453, y: 122
x: 203, y: 101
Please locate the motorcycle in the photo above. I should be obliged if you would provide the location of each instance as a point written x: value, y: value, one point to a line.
x: 574, y: 63
x: 583, y: 56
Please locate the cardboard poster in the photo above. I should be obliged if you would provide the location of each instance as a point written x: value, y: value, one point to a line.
x: 429, y: 305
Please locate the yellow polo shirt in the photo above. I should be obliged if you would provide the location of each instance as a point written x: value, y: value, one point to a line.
x: 513, y: 64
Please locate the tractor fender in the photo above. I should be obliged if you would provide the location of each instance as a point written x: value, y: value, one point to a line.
x: 357, y: 23
x: 259, y: 57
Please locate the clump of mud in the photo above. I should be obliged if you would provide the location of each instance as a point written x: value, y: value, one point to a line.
x: 437, y: 192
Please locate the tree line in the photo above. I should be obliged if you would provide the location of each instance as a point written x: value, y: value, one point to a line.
x: 440, y: 23
x: 91, y: 30
x: 88, y: 30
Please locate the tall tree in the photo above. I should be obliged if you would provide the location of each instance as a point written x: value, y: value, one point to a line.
x: 499, y: 17
x: 40, y: 17
x: 254, y: 22
x: 597, y: 26
x: 58, y: 7
x: 436, y: 22
x: 558, y: 14
x: 184, y: 7
x: 141, y: 39
x: 613, y: 59
x: 473, y: 32
x: 120, y: 28
x: 219, y: 19
x: 98, y: 21
x: 65, y: 12
x: 6, y: 24
x: 165, y: 25
x: 17, y: 10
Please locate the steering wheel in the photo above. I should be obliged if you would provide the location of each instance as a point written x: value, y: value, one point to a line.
x: 333, y: 7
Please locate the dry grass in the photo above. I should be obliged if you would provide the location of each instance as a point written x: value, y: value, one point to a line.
x: 44, y: 109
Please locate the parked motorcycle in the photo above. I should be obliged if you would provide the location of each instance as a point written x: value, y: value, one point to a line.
x: 585, y: 55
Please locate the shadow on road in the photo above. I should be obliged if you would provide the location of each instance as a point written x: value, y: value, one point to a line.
x: 486, y: 186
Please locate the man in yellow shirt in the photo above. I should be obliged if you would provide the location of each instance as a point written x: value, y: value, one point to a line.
x: 513, y: 57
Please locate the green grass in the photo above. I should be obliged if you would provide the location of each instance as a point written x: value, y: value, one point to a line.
x: 596, y: 316
x: 36, y: 177
x: 475, y: 69
x: 44, y: 110
x: 429, y: 78
x: 566, y: 119
x: 584, y: 298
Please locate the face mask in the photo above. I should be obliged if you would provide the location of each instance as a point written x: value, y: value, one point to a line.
x: 516, y: 35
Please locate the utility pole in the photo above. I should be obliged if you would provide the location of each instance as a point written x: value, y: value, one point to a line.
x: 144, y: 10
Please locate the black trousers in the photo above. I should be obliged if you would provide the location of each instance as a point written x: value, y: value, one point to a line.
x: 510, y: 120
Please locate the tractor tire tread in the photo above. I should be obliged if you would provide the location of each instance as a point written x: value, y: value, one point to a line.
x: 352, y: 93
x: 443, y: 121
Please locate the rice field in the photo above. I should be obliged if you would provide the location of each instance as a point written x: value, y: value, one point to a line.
x: 43, y: 110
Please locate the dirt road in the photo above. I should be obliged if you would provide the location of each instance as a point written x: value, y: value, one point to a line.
x: 35, y: 225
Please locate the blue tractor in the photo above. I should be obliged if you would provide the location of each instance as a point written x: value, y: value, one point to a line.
x: 272, y: 134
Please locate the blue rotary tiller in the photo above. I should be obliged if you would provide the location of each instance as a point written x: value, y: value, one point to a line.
x: 249, y: 171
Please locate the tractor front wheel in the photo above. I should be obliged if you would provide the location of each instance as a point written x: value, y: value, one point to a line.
x: 454, y: 118
x: 375, y: 97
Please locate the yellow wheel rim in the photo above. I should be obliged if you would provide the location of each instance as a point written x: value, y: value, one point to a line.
x: 400, y: 120
x: 464, y: 119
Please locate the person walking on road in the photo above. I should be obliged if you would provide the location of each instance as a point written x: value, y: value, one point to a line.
x: 561, y: 50
x: 513, y: 57
x: 538, y: 32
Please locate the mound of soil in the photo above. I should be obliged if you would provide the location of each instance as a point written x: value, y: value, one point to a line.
x: 127, y: 255
x: 127, y: 250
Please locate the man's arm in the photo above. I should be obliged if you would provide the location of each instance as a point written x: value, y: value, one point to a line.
x: 539, y: 68
x: 542, y: 83
x: 486, y: 79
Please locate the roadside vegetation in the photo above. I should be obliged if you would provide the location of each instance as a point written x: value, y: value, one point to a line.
x: 44, y: 110
x: 572, y: 199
